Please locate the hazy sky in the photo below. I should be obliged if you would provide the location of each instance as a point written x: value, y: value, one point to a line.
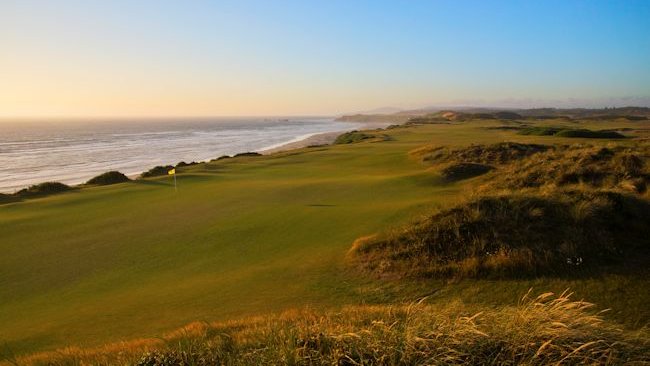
x: 183, y: 57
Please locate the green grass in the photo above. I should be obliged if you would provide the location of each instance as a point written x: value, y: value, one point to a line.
x: 242, y: 236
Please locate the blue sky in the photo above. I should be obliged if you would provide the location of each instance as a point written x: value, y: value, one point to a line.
x: 307, y: 57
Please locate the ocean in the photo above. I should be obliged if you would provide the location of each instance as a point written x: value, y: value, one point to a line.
x: 72, y: 152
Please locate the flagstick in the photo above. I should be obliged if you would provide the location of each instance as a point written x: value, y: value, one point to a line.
x: 175, y: 189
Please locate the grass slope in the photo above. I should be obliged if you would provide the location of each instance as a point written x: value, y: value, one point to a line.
x: 243, y: 236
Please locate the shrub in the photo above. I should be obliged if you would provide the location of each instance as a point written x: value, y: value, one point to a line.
x: 6, y: 198
x: 157, y: 171
x: 352, y: 137
x: 112, y: 177
x: 43, y: 189
x: 182, y: 164
x: 247, y: 154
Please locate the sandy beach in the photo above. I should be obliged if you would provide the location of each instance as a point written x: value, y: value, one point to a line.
x: 325, y: 138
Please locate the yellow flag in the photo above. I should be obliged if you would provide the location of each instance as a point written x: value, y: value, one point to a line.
x: 173, y: 171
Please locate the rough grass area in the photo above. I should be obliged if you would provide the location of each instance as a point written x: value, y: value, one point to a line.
x: 571, y: 132
x: 112, y: 177
x: 500, y: 153
x: 546, y: 329
x: 547, y: 210
x: 508, y: 236
x: 462, y: 171
x: 620, y: 167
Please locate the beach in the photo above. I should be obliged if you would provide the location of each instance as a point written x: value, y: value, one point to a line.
x: 324, y: 138
x: 72, y: 152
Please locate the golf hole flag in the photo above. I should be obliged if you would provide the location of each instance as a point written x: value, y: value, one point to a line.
x: 173, y: 172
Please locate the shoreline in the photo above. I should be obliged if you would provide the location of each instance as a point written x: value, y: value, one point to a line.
x: 318, y: 138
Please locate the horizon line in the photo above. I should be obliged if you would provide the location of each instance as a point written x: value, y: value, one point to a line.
x: 331, y: 115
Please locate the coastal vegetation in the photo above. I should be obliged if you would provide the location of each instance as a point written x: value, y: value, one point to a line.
x: 157, y: 171
x: 247, y: 154
x: 352, y: 137
x: 555, y: 210
x: 35, y: 191
x: 112, y: 177
x: 382, y: 250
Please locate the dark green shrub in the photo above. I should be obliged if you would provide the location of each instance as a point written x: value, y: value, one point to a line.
x: 157, y: 171
x: 112, y: 177
x: 247, y: 154
x: 6, y: 198
x: 43, y: 189
x: 352, y: 137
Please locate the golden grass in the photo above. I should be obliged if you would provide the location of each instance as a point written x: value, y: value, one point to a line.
x: 514, y: 235
x: 539, y: 330
x: 544, y: 210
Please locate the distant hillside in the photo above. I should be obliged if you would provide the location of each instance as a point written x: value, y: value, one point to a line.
x: 578, y: 113
x: 391, y: 118
x: 462, y: 114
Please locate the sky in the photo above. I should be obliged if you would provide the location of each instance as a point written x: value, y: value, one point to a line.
x: 243, y: 58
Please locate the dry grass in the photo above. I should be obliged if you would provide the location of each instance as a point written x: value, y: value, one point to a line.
x: 520, y: 166
x: 500, y: 153
x: 613, y: 167
x: 545, y: 210
x: 546, y: 329
x: 514, y: 235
